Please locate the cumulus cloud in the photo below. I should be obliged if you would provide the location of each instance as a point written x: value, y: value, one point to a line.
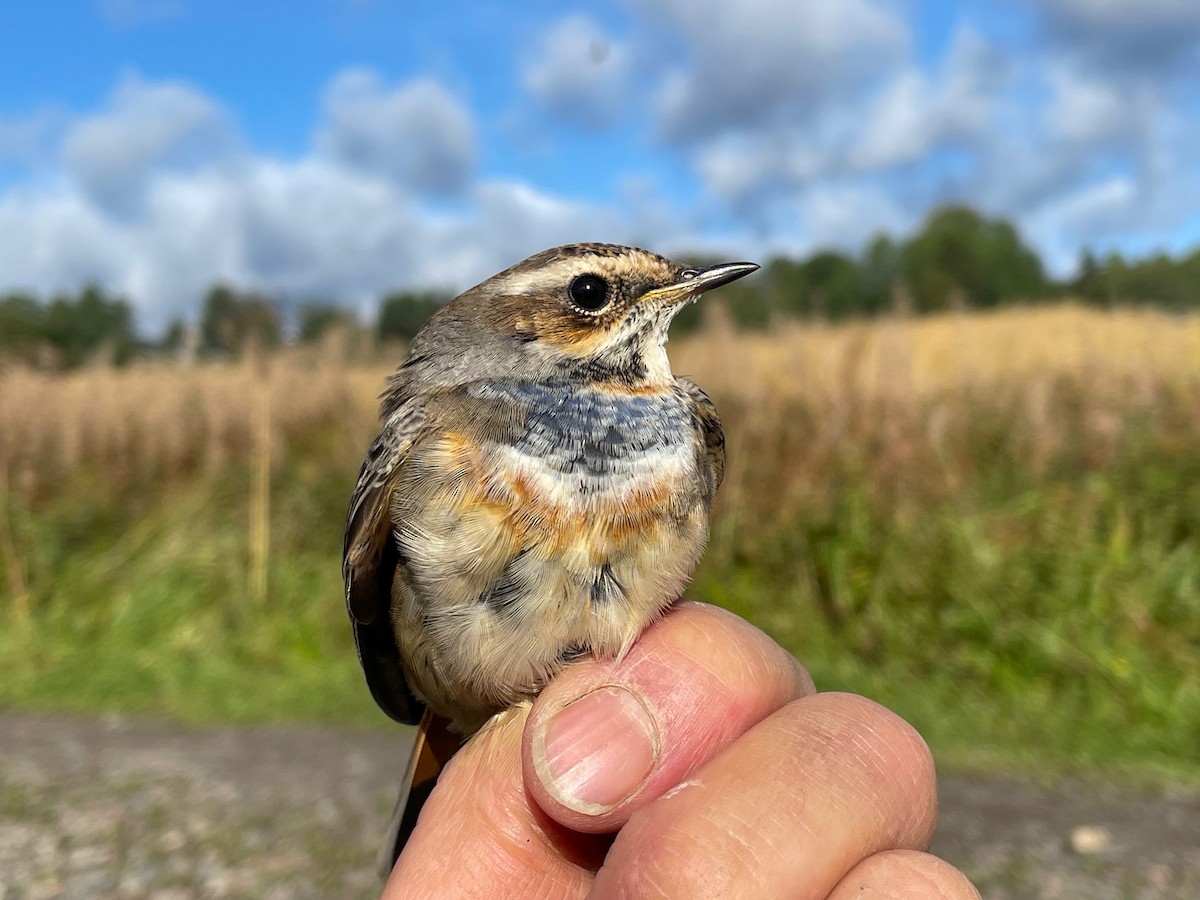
x: 1077, y: 217
x: 803, y: 124
x: 57, y: 240
x: 580, y: 74
x: 1089, y: 128
x: 898, y: 121
x: 297, y: 229
x: 845, y: 213
x: 1113, y: 17
x: 143, y: 129
x: 915, y: 112
x: 1097, y: 163
x: 1086, y: 110
x: 416, y: 134
x: 762, y: 62
x: 157, y: 199
x: 1071, y: 151
x: 1151, y: 35
x: 750, y: 169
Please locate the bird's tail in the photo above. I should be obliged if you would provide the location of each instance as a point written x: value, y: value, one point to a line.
x: 432, y: 749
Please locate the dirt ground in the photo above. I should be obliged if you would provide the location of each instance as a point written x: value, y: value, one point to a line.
x: 134, y: 808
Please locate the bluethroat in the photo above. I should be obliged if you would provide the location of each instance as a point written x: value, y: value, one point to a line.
x: 540, y: 489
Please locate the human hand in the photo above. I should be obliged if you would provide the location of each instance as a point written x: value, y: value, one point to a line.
x: 719, y: 768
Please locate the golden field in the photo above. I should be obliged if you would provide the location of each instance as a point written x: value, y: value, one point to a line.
x: 906, y: 382
x: 1002, y: 508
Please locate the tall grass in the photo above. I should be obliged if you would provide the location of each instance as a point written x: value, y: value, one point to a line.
x: 989, y: 521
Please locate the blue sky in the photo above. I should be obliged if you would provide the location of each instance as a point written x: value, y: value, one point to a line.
x: 333, y: 150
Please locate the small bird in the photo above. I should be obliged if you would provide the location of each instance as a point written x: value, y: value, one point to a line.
x: 540, y: 490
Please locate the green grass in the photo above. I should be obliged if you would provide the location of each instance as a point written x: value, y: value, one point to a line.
x: 1043, y: 625
x: 154, y: 614
x: 1054, y: 628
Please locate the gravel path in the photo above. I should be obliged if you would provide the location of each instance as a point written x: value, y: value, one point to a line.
x: 135, y: 808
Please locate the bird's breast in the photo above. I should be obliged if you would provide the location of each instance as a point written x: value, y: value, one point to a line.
x: 561, y: 521
x: 591, y: 449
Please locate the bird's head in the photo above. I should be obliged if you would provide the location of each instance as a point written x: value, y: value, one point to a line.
x: 596, y: 311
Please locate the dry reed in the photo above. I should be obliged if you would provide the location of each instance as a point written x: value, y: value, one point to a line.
x: 896, y: 397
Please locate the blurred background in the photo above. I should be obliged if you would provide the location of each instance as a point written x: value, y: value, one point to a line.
x: 962, y: 398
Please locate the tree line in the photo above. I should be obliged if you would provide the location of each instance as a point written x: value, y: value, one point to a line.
x: 958, y: 259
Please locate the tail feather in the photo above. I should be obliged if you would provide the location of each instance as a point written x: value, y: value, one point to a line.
x: 432, y: 749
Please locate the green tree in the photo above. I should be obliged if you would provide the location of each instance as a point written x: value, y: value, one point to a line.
x: 1092, y: 283
x: 960, y: 252
x: 318, y: 319
x: 174, y: 336
x: 232, y: 321
x: 879, y: 272
x: 22, y: 327
x: 402, y: 313
x: 832, y: 281
x: 749, y: 306
x: 1158, y: 280
x: 784, y: 282
x: 80, y: 327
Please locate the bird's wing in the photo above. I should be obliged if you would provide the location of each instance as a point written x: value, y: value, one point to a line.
x: 370, y: 558
x: 712, y: 435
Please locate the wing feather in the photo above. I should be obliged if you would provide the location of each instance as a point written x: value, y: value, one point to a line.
x: 370, y: 558
x: 712, y: 435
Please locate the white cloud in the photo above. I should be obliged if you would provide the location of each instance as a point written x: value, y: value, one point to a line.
x: 1103, y: 161
x: 749, y: 168
x: 1091, y: 128
x: 1071, y: 153
x: 141, y: 208
x: 898, y: 121
x: 580, y: 74
x: 417, y: 134
x: 1091, y: 111
x: 1150, y: 36
x: 809, y: 124
x: 1121, y: 14
x: 57, y: 240
x: 300, y: 229
x: 1061, y: 226
x: 144, y: 128
x: 916, y: 112
x: 844, y: 214
x: 764, y: 62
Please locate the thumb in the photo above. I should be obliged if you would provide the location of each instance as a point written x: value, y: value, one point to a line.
x: 608, y: 737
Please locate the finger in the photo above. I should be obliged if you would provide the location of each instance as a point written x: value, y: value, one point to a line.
x: 607, y: 737
x: 787, y: 810
x: 480, y: 836
x: 904, y: 875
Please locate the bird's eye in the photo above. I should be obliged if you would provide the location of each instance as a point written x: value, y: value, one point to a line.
x: 589, y: 292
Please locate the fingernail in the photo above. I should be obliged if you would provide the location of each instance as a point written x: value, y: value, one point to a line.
x: 597, y: 751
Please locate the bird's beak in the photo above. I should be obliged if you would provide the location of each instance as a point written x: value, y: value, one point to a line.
x: 697, y: 281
